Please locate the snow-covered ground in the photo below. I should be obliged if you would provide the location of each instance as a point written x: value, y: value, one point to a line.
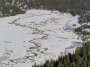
x: 36, y: 36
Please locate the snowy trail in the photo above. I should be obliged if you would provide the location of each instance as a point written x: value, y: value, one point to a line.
x: 36, y: 36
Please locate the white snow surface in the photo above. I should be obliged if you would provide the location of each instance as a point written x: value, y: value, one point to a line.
x: 36, y: 36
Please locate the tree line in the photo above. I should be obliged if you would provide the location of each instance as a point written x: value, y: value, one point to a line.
x: 81, y: 58
x: 72, y: 6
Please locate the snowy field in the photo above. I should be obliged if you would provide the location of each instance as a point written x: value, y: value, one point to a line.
x: 36, y: 36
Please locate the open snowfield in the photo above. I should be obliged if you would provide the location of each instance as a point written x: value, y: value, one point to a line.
x: 36, y: 36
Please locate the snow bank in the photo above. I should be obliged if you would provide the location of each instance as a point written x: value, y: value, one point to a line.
x: 37, y: 36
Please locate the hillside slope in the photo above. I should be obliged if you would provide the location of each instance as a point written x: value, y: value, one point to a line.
x: 36, y: 36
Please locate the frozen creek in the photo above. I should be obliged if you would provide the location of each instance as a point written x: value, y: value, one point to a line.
x: 36, y: 36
